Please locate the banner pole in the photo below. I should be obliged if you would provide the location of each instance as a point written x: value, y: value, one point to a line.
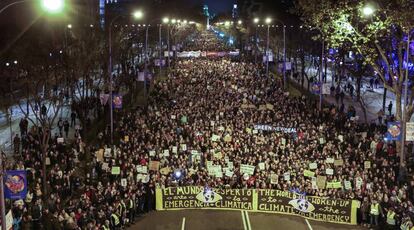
x: 2, y: 203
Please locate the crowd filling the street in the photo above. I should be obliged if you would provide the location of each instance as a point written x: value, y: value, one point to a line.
x: 212, y: 112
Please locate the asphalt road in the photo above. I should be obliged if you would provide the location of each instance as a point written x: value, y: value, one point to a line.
x: 228, y: 220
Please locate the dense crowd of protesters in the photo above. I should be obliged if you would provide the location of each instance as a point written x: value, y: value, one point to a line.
x: 208, y: 111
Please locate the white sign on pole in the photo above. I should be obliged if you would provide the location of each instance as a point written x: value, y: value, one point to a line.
x: 409, y: 134
x: 326, y: 89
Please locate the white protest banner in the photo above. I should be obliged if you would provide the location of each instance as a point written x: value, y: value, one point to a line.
x: 358, y: 183
x: 209, y: 164
x: 174, y: 149
x: 313, y: 165
x: 228, y: 173
x: 273, y: 178
x: 152, y: 153
x: 330, y: 160
x: 409, y: 131
x: 248, y: 169
x: 230, y: 165
x: 286, y: 176
x: 107, y: 152
x: 166, y: 152
x: 261, y: 166
x: 183, y: 147
x: 215, y: 137
x: 60, y: 140
x: 348, y: 185
x: 313, y: 182
x: 123, y: 182
x: 329, y: 171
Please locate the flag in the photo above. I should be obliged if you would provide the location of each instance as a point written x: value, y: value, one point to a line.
x: 393, y: 131
x: 104, y: 98
x: 15, y: 184
x: 117, y: 102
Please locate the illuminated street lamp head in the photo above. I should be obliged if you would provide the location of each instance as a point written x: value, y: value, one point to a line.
x: 367, y: 10
x: 15, y: 62
x: 7, y: 64
x: 227, y: 23
x: 69, y: 26
x: 138, y: 14
x: 268, y: 20
x: 239, y: 22
x: 165, y: 20
x: 173, y: 21
x: 53, y: 6
x: 256, y: 20
x: 185, y: 21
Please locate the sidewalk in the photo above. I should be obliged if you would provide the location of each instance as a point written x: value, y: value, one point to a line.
x: 373, y: 98
x: 5, y: 137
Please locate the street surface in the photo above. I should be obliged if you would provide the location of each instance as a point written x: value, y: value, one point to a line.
x: 228, y: 220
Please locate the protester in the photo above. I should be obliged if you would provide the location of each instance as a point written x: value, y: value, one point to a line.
x: 212, y: 111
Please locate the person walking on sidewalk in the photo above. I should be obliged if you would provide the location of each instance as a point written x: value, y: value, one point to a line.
x: 60, y: 126
x: 72, y: 119
x: 66, y: 127
x: 390, y: 108
x: 342, y: 96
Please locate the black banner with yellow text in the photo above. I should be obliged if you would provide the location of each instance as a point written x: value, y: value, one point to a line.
x: 258, y: 200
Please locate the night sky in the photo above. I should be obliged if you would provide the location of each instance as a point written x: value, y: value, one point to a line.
x: 219, y: 6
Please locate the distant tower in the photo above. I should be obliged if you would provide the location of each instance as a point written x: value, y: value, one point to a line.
x: 205, y: 10
x: 235, y: 13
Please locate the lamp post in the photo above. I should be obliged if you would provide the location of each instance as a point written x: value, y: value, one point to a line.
x: 137, y: 15
x: 404, y: 122
x: 146, y: 56
x: 256, y: 21
x: 268, y: 21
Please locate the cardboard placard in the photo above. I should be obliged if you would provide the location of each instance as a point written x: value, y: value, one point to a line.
x: 367, y: 164
x: 165, y: 170
x: 154, y: 165
x: 100, y: 155
x: 126, y: 138
x: 274, y: 179
x: 321, y: 182
x: 339, y: 162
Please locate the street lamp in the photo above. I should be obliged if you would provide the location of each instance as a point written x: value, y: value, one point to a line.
x: 136, y: 15
x: 268, y: 21
x: 69, y: 26
x: 256, y: 20
x: 173, y: 21
x: 53, y: 6
x: 239, y: 22
x: 165, y: 20
x: 368, y: 10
